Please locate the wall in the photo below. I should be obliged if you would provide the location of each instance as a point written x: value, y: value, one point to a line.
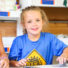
x: 24, y: 3
x: 8, y: 29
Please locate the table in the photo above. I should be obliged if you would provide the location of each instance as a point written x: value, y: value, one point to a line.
x: 45, y: 66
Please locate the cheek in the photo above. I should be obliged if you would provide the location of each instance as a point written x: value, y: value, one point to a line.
x: 41, y: 25
x: 27, y: 26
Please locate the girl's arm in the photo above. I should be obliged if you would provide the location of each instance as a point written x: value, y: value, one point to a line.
x: 64, y: 56
x: 2, y: 52
x: 4, y: 62
x: 19, y: 63
x: 65, y: 53
x: 13, y: 63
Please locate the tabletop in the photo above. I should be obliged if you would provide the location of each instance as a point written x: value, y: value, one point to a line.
x: 45, y: 66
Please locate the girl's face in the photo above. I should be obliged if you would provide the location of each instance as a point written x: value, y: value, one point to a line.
x: 33, y: 22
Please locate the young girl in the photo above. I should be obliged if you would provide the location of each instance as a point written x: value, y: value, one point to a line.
x: 36, y: 47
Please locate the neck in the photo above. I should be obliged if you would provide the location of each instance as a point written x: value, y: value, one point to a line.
x: 34, y: 37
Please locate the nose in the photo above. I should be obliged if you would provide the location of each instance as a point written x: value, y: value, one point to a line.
x: 34, y: 23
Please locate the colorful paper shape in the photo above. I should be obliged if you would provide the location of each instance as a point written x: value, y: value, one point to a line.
x: 51, y: 2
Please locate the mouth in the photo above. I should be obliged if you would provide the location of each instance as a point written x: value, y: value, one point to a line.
x: 34, y: 29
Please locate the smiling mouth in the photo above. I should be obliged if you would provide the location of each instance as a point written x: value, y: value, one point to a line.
x: 34, y: 29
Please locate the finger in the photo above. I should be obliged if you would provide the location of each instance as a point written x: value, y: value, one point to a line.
x: 17, y: 65
x: 57, y: 59
x: 4, y: 66
x: 60, y: 60
x: 22, y: 63
x: 64, y: 60
x: 67, y: 59
x: 24, y: 60
x: 1, y: 63
x: 27, y: 59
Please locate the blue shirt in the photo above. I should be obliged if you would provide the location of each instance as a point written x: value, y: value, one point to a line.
x: 46, y: 46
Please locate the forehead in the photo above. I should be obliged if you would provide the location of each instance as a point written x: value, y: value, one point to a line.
x: 32, y: 13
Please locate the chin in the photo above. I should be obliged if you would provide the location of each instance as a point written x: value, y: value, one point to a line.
x: 36, y: 33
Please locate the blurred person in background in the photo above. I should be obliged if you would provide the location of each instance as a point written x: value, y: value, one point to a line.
x: 4, y: 62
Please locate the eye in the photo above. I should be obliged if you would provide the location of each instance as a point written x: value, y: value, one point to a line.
x: 29, y: 21
x: 37, y: 20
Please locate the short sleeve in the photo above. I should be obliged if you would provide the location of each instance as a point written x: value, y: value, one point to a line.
x: 13, y: 51
x: 58, y: 46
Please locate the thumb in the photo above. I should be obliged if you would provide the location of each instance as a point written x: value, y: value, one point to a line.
x: 58, y: 58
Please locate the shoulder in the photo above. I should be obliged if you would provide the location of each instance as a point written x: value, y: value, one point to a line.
x: 21, y: 37
x: 19, y: 41
x: 47, y: 34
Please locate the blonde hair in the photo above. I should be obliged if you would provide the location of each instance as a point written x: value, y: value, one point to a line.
x: 43, y: 14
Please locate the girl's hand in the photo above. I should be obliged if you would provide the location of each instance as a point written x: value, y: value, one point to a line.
x: 22, y: 62
x: 62, y: 59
